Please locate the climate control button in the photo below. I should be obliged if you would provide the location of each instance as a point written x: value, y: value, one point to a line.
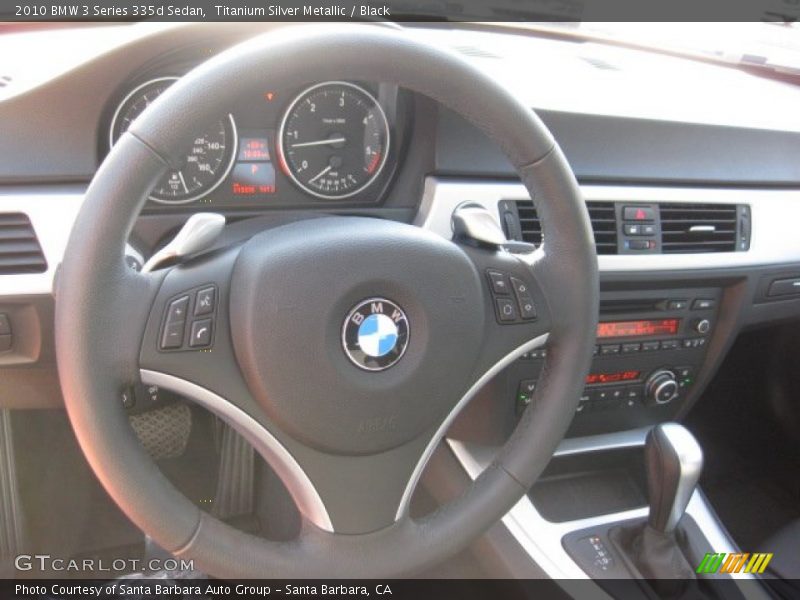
x: 661, y: 387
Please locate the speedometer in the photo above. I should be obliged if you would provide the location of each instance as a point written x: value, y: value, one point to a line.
x: 207, y: 161
x: 333, y: 140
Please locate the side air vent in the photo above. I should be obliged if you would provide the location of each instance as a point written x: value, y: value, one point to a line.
x: 19, y: 249
x: 696, y: 228
x: 602, y: 215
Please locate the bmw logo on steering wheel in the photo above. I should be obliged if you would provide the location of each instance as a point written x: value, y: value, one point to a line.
x: 375, y: 334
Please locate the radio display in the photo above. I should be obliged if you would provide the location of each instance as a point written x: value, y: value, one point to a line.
x: 618, y: 329
x: 617, y: 377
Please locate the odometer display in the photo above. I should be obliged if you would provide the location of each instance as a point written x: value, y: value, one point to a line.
x: 333, y: 140
x: 207, y: 161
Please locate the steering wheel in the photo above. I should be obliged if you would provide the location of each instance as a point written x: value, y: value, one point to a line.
x: 347, y: 420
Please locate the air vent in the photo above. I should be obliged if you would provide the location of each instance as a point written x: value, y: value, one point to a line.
x: 696, y: 228
x: 602, y: 215
x: 19, y: 249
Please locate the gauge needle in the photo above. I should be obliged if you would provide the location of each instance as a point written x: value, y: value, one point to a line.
x: 183, y: 181
x: 320, y: 142
x: 320, y: 174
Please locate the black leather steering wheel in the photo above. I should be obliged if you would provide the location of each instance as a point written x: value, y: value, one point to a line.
x: 348, y: 443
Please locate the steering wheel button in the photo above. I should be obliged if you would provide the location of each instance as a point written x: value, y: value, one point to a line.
x: 204, y: 303
x: 506, y: 310
x: 177, y: 310
x: 173, y: 335
x: 201, y: 333
x: 499, y: 282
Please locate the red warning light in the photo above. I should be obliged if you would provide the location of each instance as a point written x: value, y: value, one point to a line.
x: 640, y: 215
x: 269, y: 96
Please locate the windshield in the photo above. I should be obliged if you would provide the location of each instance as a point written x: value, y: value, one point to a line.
x: 770, y: 45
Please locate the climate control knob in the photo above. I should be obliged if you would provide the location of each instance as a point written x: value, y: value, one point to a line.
x: 661, y: 387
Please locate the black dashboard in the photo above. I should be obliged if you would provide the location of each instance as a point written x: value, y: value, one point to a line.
x: 376, y: 150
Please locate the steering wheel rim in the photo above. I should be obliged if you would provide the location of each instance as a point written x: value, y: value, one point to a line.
x: 97, y: 293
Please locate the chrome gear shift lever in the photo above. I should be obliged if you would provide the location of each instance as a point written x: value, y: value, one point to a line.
x: 674, y: 461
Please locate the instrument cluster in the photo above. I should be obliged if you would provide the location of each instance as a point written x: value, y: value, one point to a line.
x: 332, y: 143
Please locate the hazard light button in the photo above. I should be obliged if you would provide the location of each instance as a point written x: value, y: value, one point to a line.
x: 638, y: 213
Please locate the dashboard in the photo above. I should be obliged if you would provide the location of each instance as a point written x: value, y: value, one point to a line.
x: 328, y: 144
x: 693, y: 191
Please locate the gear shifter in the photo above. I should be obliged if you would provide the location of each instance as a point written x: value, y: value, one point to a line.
x: 674, y: 460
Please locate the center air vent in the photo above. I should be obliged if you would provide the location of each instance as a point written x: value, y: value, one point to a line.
x: 19, y: 249
x: 602, y: 215
x: 695, y: 228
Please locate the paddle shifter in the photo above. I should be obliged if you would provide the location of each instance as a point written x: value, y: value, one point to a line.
x: 673, y: 460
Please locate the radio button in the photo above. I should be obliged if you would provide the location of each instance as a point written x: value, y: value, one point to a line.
x: 630, y: 348
x: 702, y: 326
x: 703, y: 304
x: 677, y: 304
x: 669, y: 344
x: 610, y: 349
x: 650, y: 346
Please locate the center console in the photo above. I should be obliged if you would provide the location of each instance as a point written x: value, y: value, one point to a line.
x: 650, y: 347
x: 623, y: 510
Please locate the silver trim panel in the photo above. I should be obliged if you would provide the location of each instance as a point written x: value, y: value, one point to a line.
x: 541, y: 538
x: 774, y: 214
x: 277, y: 456
x: 52, y: 212
x: 405, y: 500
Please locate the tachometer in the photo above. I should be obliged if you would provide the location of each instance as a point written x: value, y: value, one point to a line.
x: 207, y: 161
x: 333, y: 140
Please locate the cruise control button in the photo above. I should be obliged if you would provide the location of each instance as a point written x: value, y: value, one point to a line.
x: 499, y: 282
x: 506, y: 310
x: 201, y: 333
x: 173, y: 335
x: 204, y: 303
x: 177, y: 310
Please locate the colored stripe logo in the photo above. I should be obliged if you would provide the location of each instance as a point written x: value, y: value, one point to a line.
x: 740, y: 562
